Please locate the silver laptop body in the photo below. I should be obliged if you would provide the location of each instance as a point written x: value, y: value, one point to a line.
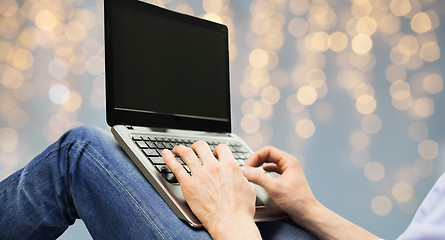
x: 167, y: 83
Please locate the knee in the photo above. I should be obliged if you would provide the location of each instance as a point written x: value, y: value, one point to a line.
x: 86, y: 135
x: 87, y: 130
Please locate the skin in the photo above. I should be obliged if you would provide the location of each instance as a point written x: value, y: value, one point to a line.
x: 216, y: 191
x: 291, y: 192
x: 220, y: 195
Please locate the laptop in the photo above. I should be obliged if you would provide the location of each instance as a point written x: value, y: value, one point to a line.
x: 167, y: 83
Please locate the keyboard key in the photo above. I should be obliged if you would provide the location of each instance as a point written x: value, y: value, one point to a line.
x: 151, y: 145
x: 141, y: 144
x: 160, y: 145
x: 159, y: 151
x: 179, y: 159
x: 163, y: 168
x: 156, y: 160
x: 146, y: 138
x: 241, y: 162
x: 150, y: 152
x: 137, y: 137
x: 232, y: 149
x: 240, y: 148
x: 168, y: 145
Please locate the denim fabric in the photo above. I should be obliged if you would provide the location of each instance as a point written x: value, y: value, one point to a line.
x: 86, y: 175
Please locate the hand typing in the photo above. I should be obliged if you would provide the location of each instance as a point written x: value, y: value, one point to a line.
x: 291, y: 191
x: 216, y: 191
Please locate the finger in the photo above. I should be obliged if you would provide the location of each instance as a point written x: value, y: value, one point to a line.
x: 223, y: 153
x: 258, y: 177
x: 202, y: 149
x: 254, y: 160
x: 270, y: 155
x: 177, y: 169
x: 272, y: 168
x: 188, y: 156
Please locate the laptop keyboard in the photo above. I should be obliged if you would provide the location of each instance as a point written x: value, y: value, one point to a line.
x: 152, y: 147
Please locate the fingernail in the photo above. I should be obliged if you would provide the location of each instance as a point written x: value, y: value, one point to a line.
x: 166, y: 152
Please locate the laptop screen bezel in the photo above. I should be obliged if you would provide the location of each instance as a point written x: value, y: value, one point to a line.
x: 117, y: 116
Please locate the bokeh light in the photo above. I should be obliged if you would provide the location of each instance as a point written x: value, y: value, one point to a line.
x: 428, y: 149
x: 430, y: 51
x: 371, y: 124
x: 374, y: 171
x: 307, y: 95
x: 305, y: 128
x: 424, y: 107
x: 361, y: 43
x: 338, y: 41
x: 59, y: 94
x: 381, y: 205
x: 432, y: 83
x: 366, y: 104
x: 402, y: 192
x: 421, y: 23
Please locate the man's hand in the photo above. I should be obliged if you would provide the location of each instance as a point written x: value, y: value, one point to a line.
x: 216, y: 191
x: 291, y: 191
x: 292, y: 194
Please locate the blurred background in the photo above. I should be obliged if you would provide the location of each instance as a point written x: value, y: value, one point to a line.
x: 353, y: 89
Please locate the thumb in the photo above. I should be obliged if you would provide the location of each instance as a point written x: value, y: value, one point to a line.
x: 256, y: 176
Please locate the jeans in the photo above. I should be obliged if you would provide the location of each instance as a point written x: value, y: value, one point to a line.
x: 86, y: 175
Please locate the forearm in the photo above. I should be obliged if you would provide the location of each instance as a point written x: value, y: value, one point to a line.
x: 233, y: 230
x: 326, y: 224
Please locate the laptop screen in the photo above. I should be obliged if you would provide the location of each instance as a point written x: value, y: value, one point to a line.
x: 167, y: 68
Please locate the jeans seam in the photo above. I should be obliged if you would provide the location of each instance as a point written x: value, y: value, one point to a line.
x: 100, y: 161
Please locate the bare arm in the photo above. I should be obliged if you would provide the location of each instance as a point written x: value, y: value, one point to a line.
x: 216, y: 191
x: 291, y: 192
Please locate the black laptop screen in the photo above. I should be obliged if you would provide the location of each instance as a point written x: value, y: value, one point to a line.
x: 163, y: 63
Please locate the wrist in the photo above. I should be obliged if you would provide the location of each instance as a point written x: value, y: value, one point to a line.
x: 315, y: 218
x: 236, y: 228
x: 307, y: 211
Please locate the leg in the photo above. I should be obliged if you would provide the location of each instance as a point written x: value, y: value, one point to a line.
x: 86, y: 175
